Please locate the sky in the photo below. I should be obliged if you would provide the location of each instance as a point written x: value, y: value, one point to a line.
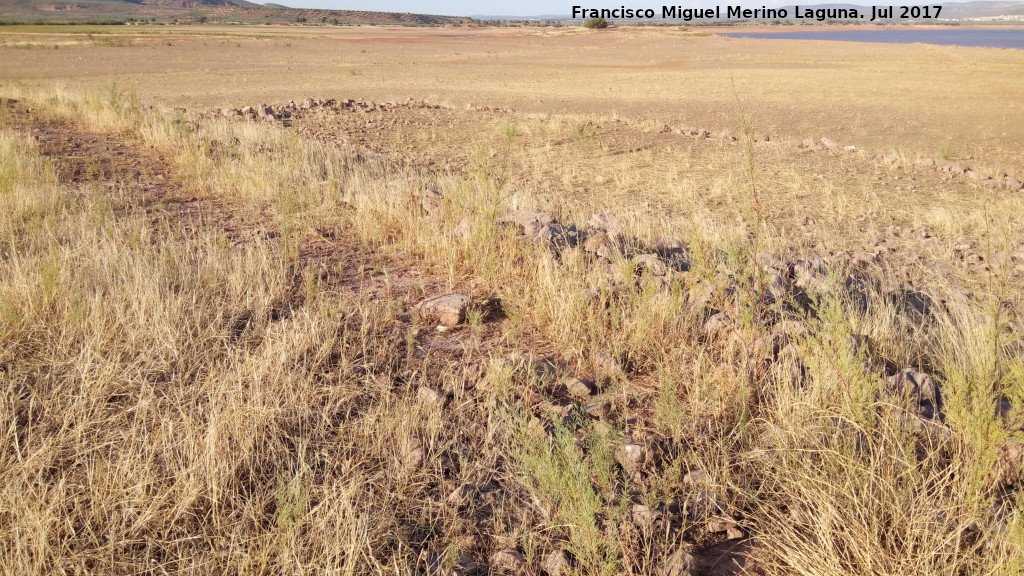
x: 526, y: 7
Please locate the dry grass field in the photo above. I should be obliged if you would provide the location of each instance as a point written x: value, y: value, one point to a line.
x: 725, y: 306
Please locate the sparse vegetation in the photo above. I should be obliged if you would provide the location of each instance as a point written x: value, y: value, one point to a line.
x: 211, y: 359
x: 595, y: 23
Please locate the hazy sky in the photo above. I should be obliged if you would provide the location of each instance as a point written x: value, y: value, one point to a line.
x: 524, y: 7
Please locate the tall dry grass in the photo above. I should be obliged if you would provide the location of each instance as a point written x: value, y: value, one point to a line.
x: 180, y: 403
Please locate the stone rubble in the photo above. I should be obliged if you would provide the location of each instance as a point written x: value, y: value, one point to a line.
x: 291, y: 110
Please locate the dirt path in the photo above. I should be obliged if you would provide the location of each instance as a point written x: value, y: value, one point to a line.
x: 147, y: 180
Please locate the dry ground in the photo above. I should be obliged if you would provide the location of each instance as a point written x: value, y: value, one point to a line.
x: 211, y: 360
x: 884, y: 97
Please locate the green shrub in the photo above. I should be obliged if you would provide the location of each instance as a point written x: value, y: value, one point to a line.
x: 595, y: 23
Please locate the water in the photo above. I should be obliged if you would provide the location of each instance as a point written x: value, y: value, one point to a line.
x: 972, y: 38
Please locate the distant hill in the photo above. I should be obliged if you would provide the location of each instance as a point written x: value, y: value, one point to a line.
x: 243, y: 11
x: 194, y: 11
x: 981, y: 9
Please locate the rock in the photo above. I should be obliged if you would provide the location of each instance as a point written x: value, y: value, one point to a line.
x: 716, y: 525
x: 941, y: 266
x: 705, y: 503
x: 462, y: 495
x: 829, y: 143
x: 598, y: 409
x: 556, y: 563
x: 526, y: 222
x: 448, y: 465
x: 1013, y: 184
x: 789, y: 365
x: 958, y: 168
x: 734, y: 533
x: 668, y: 248
x: 811, y: 276
x: 798, y: 515
x: 679, y: 564
x: 579, y: 388
x: 554, y: 411
x: 932, y: 245
x: 651, y: 264
x: 472, y: 542
x: 464, y: 229
x: 696, y: 478
x: 807, y: 143
x: 229, y: 112
x: 432, y: 201
x: 632, y: 456
x: 606, y: 363
x: 444, y: 565
x: 976, y: 175
x: 643, y: 516
x: 558, y: 235
x: 598, y: 243
x: 699, y: 295
x: 918, y: 388
x: 1010, y: 465
x: 428, y: 396
x: 864, y: 258
x: 725, y: 135
x: 603, y: 428
x: 963, y: 246
x: 508, y: 561
x: 247, y: 111
x: 770, y: 262
x: 790, y: 329
x: 718, y: 324
x: 777, y: 287
x: 447, y: 310
x: 609, y: 223
x: 417, y: 455
x: 1000, y: 259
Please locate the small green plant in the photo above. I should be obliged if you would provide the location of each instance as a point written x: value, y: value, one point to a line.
x: 670, y: 412
x: 292, y: 499
x: 584, y: 131
x: 475, y: 319
x: 561, y: 476
x: 121, y: 101
x: 49, y: 276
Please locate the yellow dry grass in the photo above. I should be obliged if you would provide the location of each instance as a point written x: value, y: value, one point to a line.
x: 186, y: 392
